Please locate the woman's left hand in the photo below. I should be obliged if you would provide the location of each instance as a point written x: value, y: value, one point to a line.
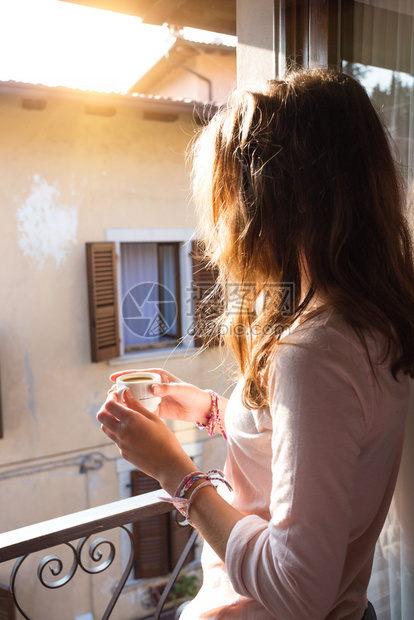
x: 144, y: 440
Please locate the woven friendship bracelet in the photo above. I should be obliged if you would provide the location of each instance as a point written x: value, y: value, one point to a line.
x: 181, y: 503
x: 217, y: 474
x: 178, y: 499
x: 212, y: 474
x: 185, y: 481
x: 213, y: 418
x: 190, y: 483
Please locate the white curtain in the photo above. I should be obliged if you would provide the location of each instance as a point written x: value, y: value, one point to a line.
x: 139, y: 281
x: 381, y: 56
x: 168, y: 292
x: 391, y: 589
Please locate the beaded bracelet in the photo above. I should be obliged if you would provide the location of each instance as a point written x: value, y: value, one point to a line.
x: 213, y: 418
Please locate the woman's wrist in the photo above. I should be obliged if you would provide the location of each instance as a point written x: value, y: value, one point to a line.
x: 189, y: 487
x: 170, y: 480
x: 205, y: 411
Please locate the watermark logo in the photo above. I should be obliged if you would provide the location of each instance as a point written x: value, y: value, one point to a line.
x: 244, y: 299
x: 149, y: 310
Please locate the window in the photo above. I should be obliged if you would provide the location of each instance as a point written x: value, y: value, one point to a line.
x: 150, y: 279
x: 377, y: 48
x: 159, y: 541
x: 145, y: 289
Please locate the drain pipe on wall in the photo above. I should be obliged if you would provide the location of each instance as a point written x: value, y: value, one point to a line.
x: 201, y: 77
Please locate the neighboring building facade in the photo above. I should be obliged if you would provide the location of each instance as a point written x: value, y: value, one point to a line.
x: 200, y: 71
x: 79, y: 169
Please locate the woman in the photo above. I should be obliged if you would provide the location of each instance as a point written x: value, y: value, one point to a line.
x: 297, y: 189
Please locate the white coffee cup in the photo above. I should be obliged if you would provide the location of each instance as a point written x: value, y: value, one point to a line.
x: 139, y: 384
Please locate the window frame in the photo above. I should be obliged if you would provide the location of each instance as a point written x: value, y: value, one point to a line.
x: 182, y: 236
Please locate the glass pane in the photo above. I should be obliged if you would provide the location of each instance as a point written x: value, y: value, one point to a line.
x: 168, y: 287
x: 139, y: 282
x: 378, y: 49
x: 148, y: 283
x: 392, y: 93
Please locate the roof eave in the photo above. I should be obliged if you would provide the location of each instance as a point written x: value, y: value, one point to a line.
x: 142, y: 102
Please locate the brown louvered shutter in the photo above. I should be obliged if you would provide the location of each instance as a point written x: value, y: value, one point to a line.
x: 103, y: 300
x: 150, y: 535
x: 204, y: 280
x: 7, y: 609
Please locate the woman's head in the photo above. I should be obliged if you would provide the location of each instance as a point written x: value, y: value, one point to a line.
x: 300, y: 178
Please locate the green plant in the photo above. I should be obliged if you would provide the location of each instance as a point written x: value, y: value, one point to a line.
x: 186, y: 587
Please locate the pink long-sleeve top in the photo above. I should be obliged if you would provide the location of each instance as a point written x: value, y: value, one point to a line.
x: 314, y: 473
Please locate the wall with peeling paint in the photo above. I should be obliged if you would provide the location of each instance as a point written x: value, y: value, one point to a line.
x: 66, y: 177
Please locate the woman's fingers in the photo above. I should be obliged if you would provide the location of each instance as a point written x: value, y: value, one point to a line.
x: 136, y: 405
x: 123, y: 412
x: 185, y: 396
x: 109, y: 434
x: 169, y: 389
x: 108, y: 421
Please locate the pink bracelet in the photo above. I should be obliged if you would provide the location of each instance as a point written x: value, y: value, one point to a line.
x: 190, y: 483
x: 181, y: 503
x: 184, y: 481
x: 178, y: 500
x: 213, y: 418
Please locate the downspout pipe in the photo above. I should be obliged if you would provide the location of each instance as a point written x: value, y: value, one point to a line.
x: 201, y: 77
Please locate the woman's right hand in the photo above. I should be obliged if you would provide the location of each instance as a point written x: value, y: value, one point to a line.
x: 179, y: 400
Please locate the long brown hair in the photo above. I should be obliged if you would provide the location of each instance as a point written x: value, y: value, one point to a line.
x: 301, y: 176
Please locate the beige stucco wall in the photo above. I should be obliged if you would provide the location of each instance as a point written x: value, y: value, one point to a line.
x: 216, y: 66
x: 67, y: 176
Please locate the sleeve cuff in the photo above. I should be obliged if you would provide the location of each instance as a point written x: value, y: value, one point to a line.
x: 238, y: 545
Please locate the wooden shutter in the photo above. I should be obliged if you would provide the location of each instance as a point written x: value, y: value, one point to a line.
x: 103, y: 300
x: 204, y: 281
x: 7, y: 609
x: 159, y: 541
x: 150, y: 535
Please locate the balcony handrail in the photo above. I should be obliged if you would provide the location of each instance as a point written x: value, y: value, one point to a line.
x: 40, y: 536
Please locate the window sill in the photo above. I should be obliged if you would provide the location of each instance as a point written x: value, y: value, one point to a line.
x: 152, y: 354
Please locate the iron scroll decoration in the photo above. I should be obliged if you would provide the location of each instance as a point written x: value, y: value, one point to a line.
x: 55, y: 566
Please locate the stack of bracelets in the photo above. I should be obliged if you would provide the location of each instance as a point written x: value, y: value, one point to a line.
x: 183, y: 504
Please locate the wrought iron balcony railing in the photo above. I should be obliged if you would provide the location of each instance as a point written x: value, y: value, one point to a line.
x: 74, y: 531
